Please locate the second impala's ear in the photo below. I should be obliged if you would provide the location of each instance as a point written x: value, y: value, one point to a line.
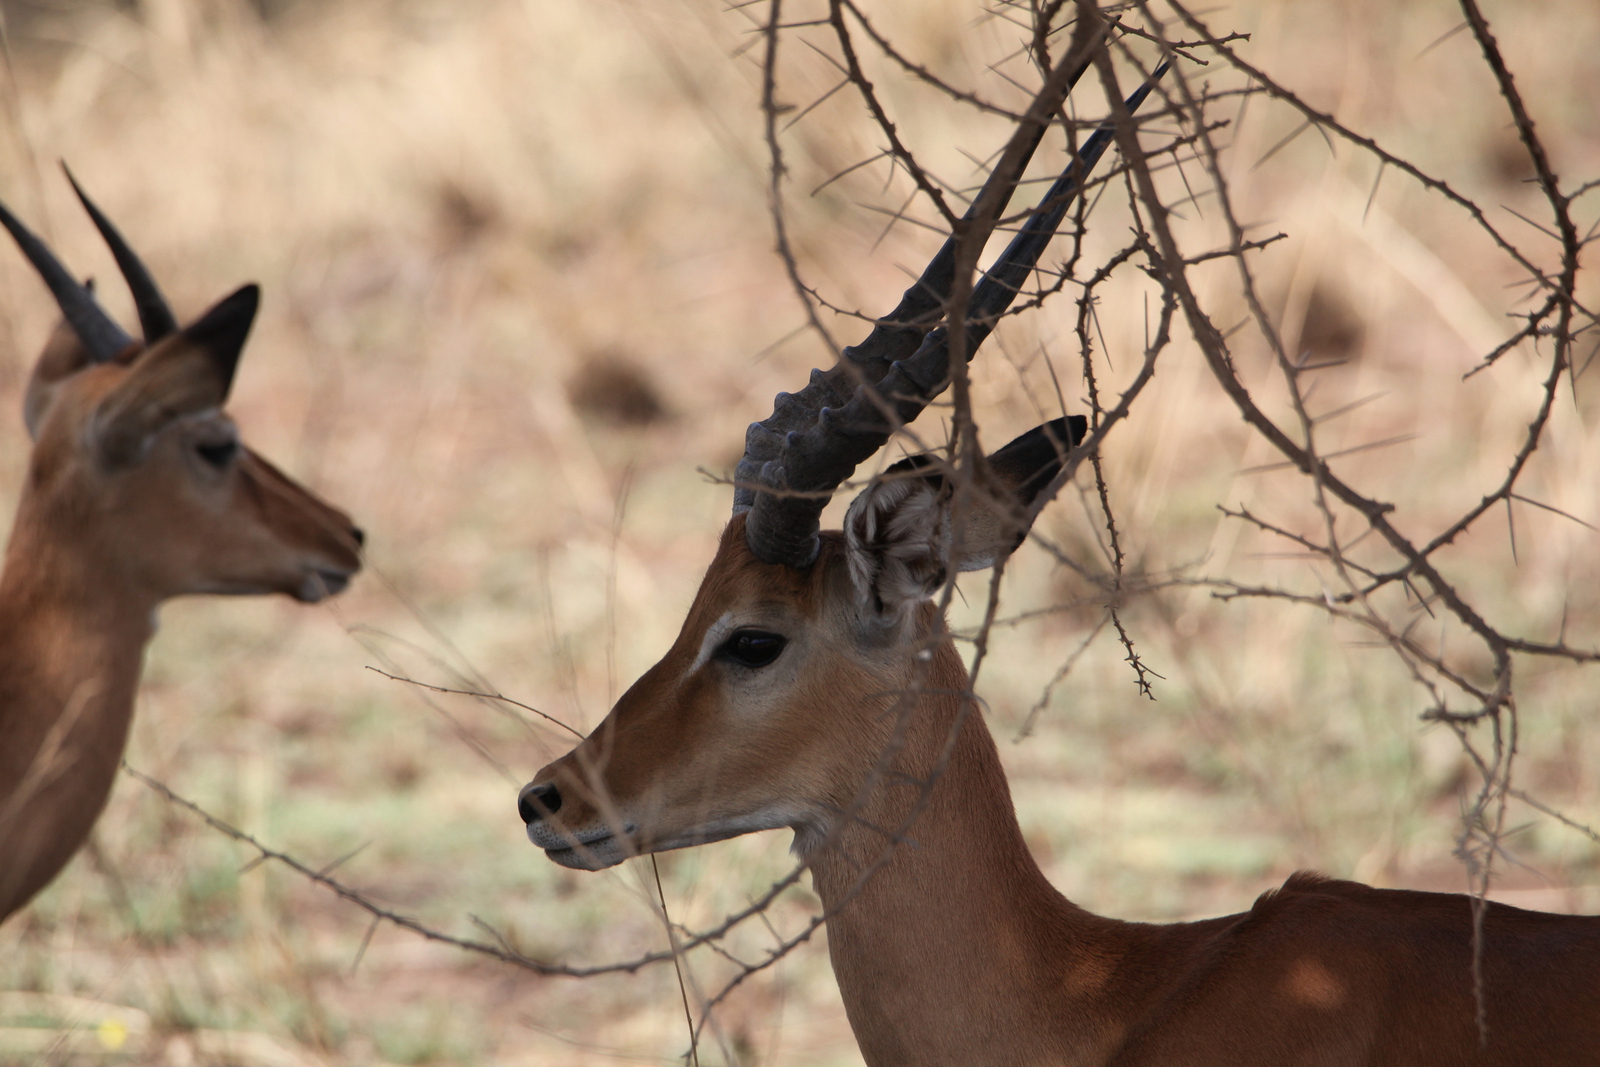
x: 221, y: 332
x: 899, y: 536
x: 64, y: 355
x: 187, y: 372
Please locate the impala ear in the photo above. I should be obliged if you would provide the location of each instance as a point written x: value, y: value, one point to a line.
x: 895, y: 536
x: 64, y: 355
x: 898, y: 531
x: 221, y: 332
x: 997, y: 520
x: 187, y: 372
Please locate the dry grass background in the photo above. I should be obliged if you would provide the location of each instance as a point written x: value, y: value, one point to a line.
x: 519, y: 288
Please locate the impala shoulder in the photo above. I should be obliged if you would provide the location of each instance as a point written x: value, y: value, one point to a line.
x: 1303, y: 884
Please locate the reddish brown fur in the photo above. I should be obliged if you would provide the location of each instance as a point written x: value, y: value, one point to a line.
x: 958, y: 951
x: 93, y: 551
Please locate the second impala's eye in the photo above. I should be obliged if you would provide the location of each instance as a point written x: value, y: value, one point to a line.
x: 752, y: 648
x: 218, y: 453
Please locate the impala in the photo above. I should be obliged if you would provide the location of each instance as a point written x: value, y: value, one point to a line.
x: 815, y: 687
x: 138, y: 489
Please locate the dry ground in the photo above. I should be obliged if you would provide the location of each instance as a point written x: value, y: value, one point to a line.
x: 520, y: 290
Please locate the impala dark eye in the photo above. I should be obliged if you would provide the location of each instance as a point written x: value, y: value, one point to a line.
x: 219, y: 453
x: 752, y: 648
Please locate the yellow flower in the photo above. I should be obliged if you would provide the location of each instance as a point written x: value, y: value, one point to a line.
x: 113, y: 1034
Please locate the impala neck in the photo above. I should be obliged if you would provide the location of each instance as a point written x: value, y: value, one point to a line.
x: 71, y: 641
x: 958, y: 950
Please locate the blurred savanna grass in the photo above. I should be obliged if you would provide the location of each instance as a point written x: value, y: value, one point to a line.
x: 520, y: 292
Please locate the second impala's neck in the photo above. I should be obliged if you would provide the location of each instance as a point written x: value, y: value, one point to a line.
x: 957, y: 950
x: 71, y: 643
x: 67, y: 600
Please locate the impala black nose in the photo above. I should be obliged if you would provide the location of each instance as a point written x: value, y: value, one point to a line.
x: 537, y: 801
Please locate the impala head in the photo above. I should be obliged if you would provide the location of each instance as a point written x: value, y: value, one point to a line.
x: 773, y: 704
x: 134, y: 455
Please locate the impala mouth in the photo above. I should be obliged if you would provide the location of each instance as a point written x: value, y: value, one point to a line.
x: 335, y: 581
x: 588, y: 850
x: 596, y: 856
x: 320, y: 584
x: 599, y: 848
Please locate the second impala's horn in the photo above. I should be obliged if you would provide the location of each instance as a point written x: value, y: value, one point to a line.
x: 99, y: 332
x: 155, y: 317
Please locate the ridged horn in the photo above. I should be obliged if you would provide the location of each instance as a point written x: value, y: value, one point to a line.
x: 99, y: 332
x: 894, y: 337
x: 155, y: 317
x: 815, y: 439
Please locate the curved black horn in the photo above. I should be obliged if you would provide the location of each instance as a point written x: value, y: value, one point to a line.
x: 894, y: 337
x: 155, y: 317
x: 800, y: 465
x: 98, y: 331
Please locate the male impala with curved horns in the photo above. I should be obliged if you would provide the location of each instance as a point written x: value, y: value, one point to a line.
x: 815, y: 687
x: 137, y: 490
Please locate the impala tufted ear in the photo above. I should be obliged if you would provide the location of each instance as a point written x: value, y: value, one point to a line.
x: 899, y: 535
x: 896, y: 536
x: 997, y: 522
x: 64, y: 355
x: 184, y: 373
